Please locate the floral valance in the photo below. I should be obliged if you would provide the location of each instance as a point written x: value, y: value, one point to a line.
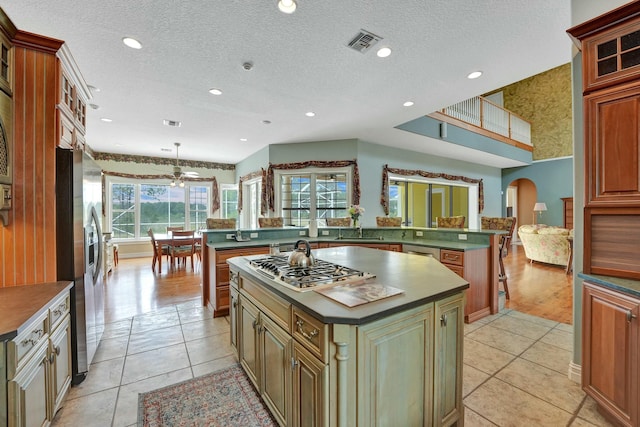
x: 268, y: 191
x: 253, y: 175
x: 215, y: 194
x: 384, y: 197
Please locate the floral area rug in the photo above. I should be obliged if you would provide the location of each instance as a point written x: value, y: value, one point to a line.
x: 223, y: 398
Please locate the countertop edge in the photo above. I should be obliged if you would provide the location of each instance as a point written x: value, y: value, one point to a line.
x: 627, y: 286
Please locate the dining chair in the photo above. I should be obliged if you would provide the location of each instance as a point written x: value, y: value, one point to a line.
x: 221, y: 223
x: 338, y: 222
x: 450, y: 221
x: 507, y: 224
x: 158, y: 251
x: 175, y: 228
x: 182, y: 246
x: 385, y: 221
x: 271, y: 222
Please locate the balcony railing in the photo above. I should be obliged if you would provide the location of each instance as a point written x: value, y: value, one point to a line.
x: 484, y: 114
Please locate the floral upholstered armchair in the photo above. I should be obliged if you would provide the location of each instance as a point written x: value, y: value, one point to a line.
x: 221, y: 223
x: 270, y: 222
x: 385, y: 221
x: 451, y: 221
x: 338, y: 222
x: 546, y: 243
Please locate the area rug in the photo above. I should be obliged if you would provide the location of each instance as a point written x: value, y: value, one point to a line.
x: 222, y: 398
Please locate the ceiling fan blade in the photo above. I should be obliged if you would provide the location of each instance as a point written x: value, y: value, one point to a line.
x: 191, y: 174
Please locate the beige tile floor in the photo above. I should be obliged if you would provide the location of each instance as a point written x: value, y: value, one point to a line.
x: 515, y: 368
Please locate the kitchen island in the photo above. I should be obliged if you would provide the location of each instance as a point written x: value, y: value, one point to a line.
x: 316, y: 361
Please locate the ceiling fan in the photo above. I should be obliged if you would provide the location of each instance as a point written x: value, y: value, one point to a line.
x: 178, y: 175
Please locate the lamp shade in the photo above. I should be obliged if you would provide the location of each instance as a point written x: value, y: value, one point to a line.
x: 539, y: 207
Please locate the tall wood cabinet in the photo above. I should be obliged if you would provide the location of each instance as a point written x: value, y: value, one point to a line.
x: 611, y: 89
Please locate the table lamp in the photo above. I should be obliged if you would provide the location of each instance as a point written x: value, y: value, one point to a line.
x: 538, y: 207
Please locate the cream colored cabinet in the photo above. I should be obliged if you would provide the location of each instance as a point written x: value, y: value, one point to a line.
x: 233, y: 317
x: 265, y: 353
x: 402, y: 369
x: 39, y: 366
x: 447, y: 374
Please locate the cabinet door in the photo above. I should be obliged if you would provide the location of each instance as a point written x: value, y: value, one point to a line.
x: 447, y: 377
x: 309, y: 379
x: 395, y: 370
x: 612, y: 149
x: 248, y: 335
x: 233, y: 319
x: 28, y: 392
x: 275, y: 368
x: 610, y: 352
x: 60, y: 358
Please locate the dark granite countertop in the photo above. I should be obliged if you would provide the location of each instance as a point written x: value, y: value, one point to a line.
x: 423, y: 280
x: 443, y: 244
x: 627, y: 286
x: 19, y: 304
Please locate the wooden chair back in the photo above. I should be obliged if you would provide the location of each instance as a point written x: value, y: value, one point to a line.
x: 221, y: 223
x: 175, y: 228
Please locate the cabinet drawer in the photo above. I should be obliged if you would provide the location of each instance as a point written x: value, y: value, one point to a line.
x: 223, y: 255
x: 456, y: 269
x: 222, y: 297
x: 21, y: 348
x: 451, y: 257
x: 311, y: 333
x: 58, y: 309
x: 277, y: 308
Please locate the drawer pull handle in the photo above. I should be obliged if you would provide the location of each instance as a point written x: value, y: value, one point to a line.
x: 443, y: 320
x: 28, y: 342
x: 56, y: 350
x: 630, y: 316
x: 308, y: 335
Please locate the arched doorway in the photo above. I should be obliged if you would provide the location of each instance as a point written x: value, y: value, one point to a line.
x: 521, y: 197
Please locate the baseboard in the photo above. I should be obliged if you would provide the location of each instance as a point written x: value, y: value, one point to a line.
x: 575, y: 372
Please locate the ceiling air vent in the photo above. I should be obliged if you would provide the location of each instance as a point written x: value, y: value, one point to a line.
x: 174, y: 123
x: 363, y: 41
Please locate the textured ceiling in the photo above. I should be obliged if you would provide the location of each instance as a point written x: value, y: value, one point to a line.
x: 300, y: 63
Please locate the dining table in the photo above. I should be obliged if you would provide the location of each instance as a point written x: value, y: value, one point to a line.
x: 166, y: 239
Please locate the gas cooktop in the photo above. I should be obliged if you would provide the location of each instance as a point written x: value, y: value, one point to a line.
x: 321, y: 274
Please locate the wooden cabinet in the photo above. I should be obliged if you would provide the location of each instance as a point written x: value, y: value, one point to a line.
x: 72, y: 103
x: 310, y: 381
x: 39, y: 366
x: 610, y: 47
x: 567, y: 212
x: 611, y: 352
x: 219, y: 276
x: 474, y: 266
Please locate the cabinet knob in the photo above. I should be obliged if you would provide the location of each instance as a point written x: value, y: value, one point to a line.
x: 443, y: 320
x: 630, y: 316
x: 294, y: 363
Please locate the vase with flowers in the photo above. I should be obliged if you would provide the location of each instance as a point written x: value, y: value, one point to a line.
x: 355, y: 211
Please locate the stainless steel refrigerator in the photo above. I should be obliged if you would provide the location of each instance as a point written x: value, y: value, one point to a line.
x: 79, y: 251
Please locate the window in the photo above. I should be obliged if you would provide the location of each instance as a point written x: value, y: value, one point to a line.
x: 229, y: 201
x: 314, y: 194
x: 251, y: 203
x: 420, y: 201
x: 135, y: 206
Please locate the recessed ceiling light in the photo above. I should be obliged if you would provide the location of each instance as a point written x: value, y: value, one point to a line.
x: 383, y: 52
x: 94, y: 106
x: 474, y: 75
x: 287, y: 6
x: 408, y: 104
x: 309, y: 114
x: 215, y: 91
x: 266, y: 122
x: 243, y: 139
x: 106, y: 120
x: 132, y: 43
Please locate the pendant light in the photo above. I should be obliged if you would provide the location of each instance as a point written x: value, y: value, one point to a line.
x: 287, y: 6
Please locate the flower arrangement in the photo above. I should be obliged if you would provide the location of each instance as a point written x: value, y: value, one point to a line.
x: 355, y: 211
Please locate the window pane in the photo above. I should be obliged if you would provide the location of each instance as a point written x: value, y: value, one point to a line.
x: 331, y: 195
x: 197, y: 207
x: 296, y: 198
x: 229, y: 203
x: 161, y: 206
x: 123, y: 206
